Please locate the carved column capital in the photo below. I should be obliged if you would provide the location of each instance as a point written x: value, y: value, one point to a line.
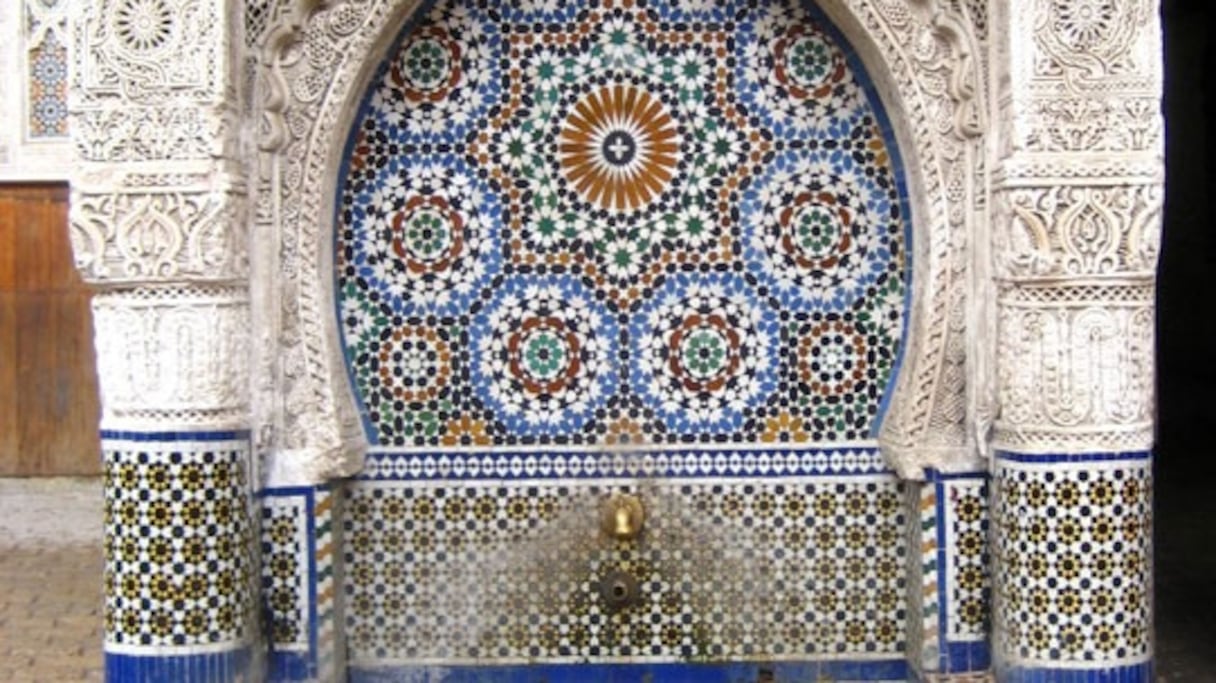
x: 173, y: 355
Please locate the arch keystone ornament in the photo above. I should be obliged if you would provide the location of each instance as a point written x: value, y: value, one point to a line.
x: 850, y: 294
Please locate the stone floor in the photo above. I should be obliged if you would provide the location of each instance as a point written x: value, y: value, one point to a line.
x: 50, y: 583
x: 50, y: 580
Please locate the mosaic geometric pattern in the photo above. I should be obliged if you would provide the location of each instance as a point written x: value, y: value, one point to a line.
x: 777, y: 569
x: 728, y: 463
x: 47, y: 64
x: 1073, y: 544
x: 968, y: 595
x: 326, y: 509
x: 924, y: 566
x: 298, y: 584
x: 285, y: 574
x: 587, y: 223
x: 177, y: 538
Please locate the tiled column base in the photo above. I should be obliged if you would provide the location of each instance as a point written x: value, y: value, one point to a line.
x: 299, y: 583
x: 178, y: 555
x: 1073, y: 540
x: 949, y: 604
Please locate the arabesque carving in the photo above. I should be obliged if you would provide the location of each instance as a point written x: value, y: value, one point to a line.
x: 1077, y: 207
x: 1078, y: 368
x: 1087, y: 39
x: 152, y: 81
x: 173, y: 355
x: 160, y: 235
x: 1066, y: 231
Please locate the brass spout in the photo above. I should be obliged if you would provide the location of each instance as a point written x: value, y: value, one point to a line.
x: 622, y: 517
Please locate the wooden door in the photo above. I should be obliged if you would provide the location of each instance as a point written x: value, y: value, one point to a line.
x: 49, y: 406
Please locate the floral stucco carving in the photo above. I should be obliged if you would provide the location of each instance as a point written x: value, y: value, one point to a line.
x: 158, y: 218
x: 1077, y: 207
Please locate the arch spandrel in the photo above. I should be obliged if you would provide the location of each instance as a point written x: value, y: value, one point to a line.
x: 317, y: 60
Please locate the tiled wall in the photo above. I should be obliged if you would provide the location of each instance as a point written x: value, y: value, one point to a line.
x: 596, y: 247
x: 949, y: 586
x: 735, y: 567
x: 629, y: 226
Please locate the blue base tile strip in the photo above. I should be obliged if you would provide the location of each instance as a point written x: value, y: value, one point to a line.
x: 838, y: 672
x: 965, y: 657
x: 289, y: 667
x: 1136, y: 673
x: 228, y: 435
x: 216, y: 667
x: 1072, y: 458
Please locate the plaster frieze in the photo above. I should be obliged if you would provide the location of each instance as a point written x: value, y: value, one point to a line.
x: 1067, y: 231
x: 156, y: 227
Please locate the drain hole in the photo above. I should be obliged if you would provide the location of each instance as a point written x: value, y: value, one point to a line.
x: 619, y: 590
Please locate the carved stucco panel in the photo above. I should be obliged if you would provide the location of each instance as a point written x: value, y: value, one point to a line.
x: 173, y: 355
x: 1078, y: 367
x: 1078, y: 231
x: 153, y: 80
x: 162, y: 233
x: 1089, y: 40
x: 1089, y: 82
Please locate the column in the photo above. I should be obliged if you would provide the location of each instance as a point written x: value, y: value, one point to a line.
x: 158, y: 228
x: 1077, y: 197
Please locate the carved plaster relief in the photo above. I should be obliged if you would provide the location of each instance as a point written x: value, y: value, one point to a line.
x: 173, y: 356
x: 316, y: 57
x: 1088, y: 83
x: 153, y: 80
x: 1065, y: 231
x: 160, y: 234
x: 1078, y: 370
x: 1085, y: 40
x: 1077, y: 218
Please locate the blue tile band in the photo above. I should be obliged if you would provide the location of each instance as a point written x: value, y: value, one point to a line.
x: 225, y: 435
x: 741, y: 461
x: 215, y: 667
x: 290, y: 667
x: 1138, y: 673
x: 1071, y: 458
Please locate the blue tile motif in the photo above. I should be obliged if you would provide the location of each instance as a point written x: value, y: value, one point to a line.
x: 586, y: 223
x: 215, y: 667
x: 544, y: 352
x: 1136, y: 673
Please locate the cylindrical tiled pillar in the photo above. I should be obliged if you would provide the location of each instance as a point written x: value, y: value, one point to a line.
x: 1072, y: 482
